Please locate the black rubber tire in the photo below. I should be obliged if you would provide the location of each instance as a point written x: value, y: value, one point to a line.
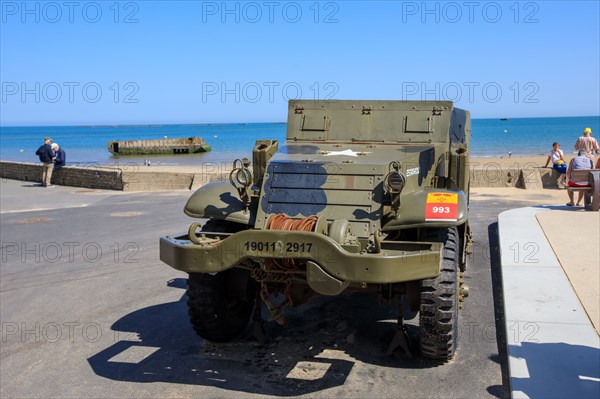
x: 438, y: 316
x: 216, y: 314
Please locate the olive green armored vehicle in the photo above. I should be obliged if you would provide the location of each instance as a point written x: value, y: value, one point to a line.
x: 362, y: 196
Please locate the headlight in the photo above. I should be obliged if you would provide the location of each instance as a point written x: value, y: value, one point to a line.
x: 243, y: 177
x: 394, y: 182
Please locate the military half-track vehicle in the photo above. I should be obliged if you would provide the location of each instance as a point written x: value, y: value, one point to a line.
x: 363, y: 196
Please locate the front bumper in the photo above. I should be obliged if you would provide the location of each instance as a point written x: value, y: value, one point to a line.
x: 398, y: 261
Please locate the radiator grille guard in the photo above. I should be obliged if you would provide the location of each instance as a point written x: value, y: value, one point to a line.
x: 326, y: 189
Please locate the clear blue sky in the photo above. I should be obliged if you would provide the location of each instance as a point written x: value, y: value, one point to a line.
x: 143, y: 62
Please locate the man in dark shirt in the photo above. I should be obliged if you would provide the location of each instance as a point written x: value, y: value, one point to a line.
x: 61, y: 158
x: 47, y: 159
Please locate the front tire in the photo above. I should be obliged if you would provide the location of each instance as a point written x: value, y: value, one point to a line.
x: 439, y: 300
x: 220, y: 305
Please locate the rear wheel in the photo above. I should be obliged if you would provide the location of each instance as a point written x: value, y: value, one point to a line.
x: 220, y: 305
x: 439, y: 300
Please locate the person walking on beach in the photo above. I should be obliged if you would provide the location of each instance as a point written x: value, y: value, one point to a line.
x: 47, y: 159
x: 587, y: 143
x: 581, y: 161
x: 61, y: 158
x: 558, y: 161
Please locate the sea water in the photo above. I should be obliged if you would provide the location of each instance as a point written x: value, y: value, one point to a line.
x: 89, y: 144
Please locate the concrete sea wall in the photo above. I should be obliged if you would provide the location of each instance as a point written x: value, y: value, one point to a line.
x: 130, y: 179
x: 89, y: 177
x: 109, y: 178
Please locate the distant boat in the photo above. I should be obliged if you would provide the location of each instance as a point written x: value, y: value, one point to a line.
x: 191, y: 145
x: 503, y: 119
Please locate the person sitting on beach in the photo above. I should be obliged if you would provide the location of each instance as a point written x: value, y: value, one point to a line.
x: 558, y: 161
x: 587, y: 143
x: 581, y: 161
x: 47, y: 159
x: 61, y: 158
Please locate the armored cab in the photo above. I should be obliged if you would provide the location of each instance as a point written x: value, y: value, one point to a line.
x: 363, y: 195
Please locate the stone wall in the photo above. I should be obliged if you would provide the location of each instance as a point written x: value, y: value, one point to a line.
x: 109, y: 178
x: 89, y: 176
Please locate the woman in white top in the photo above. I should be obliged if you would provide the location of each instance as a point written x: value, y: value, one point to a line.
x: 558, y: 161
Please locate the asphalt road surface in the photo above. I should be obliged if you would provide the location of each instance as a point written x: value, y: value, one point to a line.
x: 88, y: 310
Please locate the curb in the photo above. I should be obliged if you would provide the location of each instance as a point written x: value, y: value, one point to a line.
x: 553, y: 348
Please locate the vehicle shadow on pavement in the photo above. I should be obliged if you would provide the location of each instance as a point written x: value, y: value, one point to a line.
x: 543, y: 359
x: 324, y: 340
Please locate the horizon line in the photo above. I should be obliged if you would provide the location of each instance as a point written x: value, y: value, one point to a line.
x: 249, y: 123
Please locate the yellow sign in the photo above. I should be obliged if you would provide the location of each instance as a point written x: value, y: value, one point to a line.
x: 442, y: 198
